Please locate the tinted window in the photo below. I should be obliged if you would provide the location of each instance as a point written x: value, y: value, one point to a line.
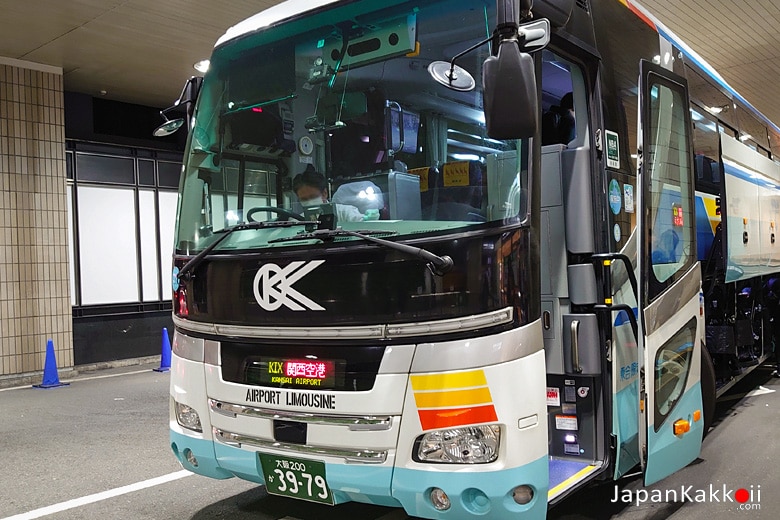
x: 145, y: 172
x: 104, y: 169
x: 672, y: 365
x: 168, y: 174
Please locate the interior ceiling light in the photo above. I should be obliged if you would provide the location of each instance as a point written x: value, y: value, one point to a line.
x: 201, y: 66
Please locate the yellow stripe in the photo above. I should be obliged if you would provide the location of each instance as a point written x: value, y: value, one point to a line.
x: 571, y: 480
x: 709, y: 206
x: 449, y: 381
x: 453, y: 398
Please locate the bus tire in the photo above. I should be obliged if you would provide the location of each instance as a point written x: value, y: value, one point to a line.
x: 707, y: 388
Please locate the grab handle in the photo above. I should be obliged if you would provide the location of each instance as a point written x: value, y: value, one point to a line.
x: 575, y: 347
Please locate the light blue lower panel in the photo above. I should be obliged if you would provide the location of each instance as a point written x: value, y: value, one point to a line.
x: 366, y: 484
x: 348, y: 482
x: 484, y: 495
x: 667, y: 452
x: 203, y: 452
x: 625, y: 413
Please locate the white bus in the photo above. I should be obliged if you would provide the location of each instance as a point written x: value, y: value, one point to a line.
x: 446, y: 256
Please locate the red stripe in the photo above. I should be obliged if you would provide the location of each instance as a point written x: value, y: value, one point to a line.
x: 641, y: 15
x: 449, y: 417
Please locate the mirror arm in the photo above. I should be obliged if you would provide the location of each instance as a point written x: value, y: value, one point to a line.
x: 189, y: 93
x: 463, y: 53
x: 188, y: 96
x: 509, y: 15
x: 513, y: 12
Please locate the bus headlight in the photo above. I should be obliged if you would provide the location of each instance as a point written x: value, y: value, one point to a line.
x: 187, y: 417
x: 469, y: 445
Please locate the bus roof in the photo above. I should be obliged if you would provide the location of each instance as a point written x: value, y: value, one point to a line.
x: 271, y: 16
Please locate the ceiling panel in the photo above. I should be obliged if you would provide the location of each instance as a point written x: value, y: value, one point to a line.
x: 142, y: 51
x: 138, y: 51
x: 740, y: 40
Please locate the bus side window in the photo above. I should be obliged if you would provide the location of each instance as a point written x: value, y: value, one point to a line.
x: 563, y: 97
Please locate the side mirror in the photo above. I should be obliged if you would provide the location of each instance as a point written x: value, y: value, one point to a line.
x: 188, y: 96
x: 170, y: 126
x: 511, y: 103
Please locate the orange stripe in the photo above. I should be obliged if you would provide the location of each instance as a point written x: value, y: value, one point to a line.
x: 644, y: 18
x: 449, y: 380
x: 433, y: 419
x: 453, y: 398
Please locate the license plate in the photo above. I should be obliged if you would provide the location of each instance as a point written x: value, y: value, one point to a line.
x: 296, y: 478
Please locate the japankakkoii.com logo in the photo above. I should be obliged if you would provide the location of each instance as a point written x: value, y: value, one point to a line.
x: 748, y: 499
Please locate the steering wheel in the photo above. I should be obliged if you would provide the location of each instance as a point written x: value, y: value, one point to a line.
x: 280, y: 211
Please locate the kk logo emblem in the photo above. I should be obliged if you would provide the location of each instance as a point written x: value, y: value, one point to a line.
x: 273, y: 286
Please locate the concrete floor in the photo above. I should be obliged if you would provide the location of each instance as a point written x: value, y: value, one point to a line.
x: 92, y: 450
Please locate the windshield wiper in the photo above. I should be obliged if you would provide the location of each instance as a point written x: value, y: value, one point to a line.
x: 184, y: 274
x: 439, y: 265
x: 241, y: 106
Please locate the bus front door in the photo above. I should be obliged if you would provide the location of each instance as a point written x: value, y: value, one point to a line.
x: 671, y: 425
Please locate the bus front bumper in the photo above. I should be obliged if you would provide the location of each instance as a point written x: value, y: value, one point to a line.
x: 487, y: 495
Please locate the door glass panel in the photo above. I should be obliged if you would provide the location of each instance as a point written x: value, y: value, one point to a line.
x: 671, y: 213
x: 672, y: 365
x: 625, y: 365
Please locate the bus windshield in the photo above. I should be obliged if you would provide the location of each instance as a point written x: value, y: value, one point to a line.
x: 335, y: 118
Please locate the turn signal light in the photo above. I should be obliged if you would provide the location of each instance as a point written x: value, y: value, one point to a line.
x: 697, y: 416
x: 681, y: 427
x: 440, y: 500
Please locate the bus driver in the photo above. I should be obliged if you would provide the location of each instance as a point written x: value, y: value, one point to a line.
x: 311, y: 189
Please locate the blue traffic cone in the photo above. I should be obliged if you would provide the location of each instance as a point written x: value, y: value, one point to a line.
x: 51, y: 379
x: 165, y: 357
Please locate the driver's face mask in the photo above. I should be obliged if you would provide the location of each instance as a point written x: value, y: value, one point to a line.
x: 316, y: 201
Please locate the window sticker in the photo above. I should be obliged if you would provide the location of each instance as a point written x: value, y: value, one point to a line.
x: 613, y: 149
x: 628, y: 198
x: 553, y: 396
x: 566, y: 422
x: 615, y: 197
